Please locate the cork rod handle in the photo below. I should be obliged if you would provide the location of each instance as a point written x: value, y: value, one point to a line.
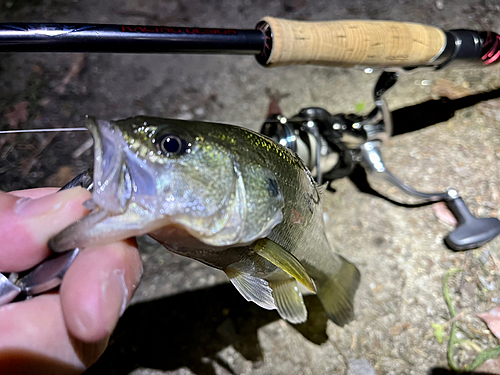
x: 353, y: 43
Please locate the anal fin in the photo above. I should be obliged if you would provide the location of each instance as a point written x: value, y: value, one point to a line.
x: 251, y: 288
x: 288, y: 300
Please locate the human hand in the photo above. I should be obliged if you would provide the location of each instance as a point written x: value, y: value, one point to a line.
x: 67, y: 331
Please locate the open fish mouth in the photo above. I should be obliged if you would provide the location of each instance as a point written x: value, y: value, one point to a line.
x: 120, y: 177
x: 123, y: 190
x: 112, y: 181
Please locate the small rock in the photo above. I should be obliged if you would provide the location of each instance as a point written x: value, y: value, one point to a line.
x: 490, y: 285
x: 484, y: 257
x: 360, y: 367
x: 199, y: 112
x: 396, y: 330
x: 185, y: 116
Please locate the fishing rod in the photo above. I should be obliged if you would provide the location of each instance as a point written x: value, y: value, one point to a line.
x: 274, y: 42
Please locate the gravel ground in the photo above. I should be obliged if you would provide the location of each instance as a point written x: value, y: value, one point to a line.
x: 186, y: 318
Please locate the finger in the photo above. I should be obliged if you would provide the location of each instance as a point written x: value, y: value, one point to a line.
x: 27, y: 224
x: 34, y: 193
x: 34, y: 340
x: 98, y: 287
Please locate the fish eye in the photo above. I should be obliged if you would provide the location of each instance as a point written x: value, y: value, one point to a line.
x: 172, y: 145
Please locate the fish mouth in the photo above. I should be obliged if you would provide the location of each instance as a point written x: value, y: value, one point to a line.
x: 112, y: 182
x: 119, y: 175
x: 123, y: 191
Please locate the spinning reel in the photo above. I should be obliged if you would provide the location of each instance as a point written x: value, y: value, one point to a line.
x: 315, y: 135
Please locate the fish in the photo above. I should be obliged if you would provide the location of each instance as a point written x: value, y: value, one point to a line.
x: 223, y: 195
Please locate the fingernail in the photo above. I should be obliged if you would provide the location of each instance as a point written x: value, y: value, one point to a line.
x: 115, y: 298
x: 49, y: 204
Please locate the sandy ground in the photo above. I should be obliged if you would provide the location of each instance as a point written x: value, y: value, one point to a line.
x: 186, y: 319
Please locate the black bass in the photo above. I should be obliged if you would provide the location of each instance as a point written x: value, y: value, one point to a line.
x: 223, y: 195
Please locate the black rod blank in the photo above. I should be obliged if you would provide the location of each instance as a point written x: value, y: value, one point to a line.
x: 53, y: 37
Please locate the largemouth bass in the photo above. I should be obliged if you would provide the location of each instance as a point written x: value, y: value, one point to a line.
x: 223, y: 195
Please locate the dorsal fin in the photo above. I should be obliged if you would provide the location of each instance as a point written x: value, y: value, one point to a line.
x: 321, y: 189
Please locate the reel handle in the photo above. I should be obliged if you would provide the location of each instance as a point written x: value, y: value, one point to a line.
x: 471, y: 232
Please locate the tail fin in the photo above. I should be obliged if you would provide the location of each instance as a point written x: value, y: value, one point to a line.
x: 336, y: 292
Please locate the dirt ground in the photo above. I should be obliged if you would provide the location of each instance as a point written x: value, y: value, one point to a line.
x: 186, y: 318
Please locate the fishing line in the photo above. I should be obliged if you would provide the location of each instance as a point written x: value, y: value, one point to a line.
x: 42, y: 130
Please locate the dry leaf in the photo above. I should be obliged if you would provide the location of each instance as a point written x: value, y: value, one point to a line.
x: 293, y: 5
x: 84, y: 147
x: 17, y: 114
x: 29, y: 162
x: 37, y: 69
x: 275, y: 98
x: 63, y: 175
x: 73, y: 73
x: 27, y: 165
x: 6, y: 139
x: 491, y: 366
x: 447, y: 89
x: 492, y: 319
x: 444, y: 214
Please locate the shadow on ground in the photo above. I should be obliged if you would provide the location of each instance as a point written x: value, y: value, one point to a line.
x: 442, y: 371
x: 417, y: 117
x: 414, y: 118
x: 189, y: 329
x: 431, y: 112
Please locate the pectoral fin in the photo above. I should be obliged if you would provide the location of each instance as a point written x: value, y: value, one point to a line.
x: 251, y: 288
x: 289, y: 301
x: 281, y: 258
